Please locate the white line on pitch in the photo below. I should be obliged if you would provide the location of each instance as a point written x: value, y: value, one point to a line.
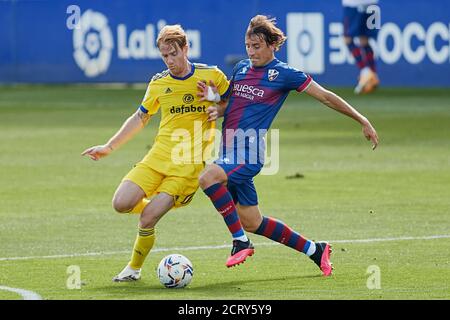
x: 26, y: 295
x: 87, y: 254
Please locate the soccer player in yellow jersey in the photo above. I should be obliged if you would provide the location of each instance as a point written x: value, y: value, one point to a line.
x: 168, y: 174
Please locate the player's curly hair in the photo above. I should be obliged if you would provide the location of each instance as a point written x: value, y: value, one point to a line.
x: 171, y: 34
x: 264, y: 28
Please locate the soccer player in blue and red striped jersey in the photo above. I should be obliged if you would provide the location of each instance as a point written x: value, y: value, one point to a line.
x: 260, y: 85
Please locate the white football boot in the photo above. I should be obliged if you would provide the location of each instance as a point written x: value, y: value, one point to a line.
x: 368, y: 82
x: 128, y: 274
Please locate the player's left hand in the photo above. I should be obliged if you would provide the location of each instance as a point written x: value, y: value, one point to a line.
x: 213, y: 113
x: 370, y: 134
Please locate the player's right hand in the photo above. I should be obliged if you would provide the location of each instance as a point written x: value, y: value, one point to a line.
x: 213, y: 113
x: 97, y: 152
x: 370, y: 134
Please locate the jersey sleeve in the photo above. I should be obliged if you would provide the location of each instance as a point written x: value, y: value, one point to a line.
x: 150, y: 103
x: 297, y: 80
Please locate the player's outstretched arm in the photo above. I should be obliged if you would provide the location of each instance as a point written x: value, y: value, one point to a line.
x: 130, y: 127
x: 335, y: 102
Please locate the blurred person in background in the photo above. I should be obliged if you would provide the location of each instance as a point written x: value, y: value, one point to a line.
x: 357, y: 26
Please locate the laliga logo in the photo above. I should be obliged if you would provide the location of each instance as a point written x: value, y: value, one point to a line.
x: 93, y: 43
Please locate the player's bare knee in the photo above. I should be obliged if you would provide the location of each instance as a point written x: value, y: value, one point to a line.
x: 121, y: 206
x: 211, y: 176
x: 203, y: 180
x: 249, y: 226
x: 250, y: 219
x: 206, y: 179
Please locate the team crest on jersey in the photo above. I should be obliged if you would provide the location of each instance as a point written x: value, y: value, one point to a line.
x: 243, y: 70
x: 272, y: 74
x: 188, y: 98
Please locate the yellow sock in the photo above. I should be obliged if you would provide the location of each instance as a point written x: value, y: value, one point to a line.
x: 139, y: 207
x: 142, y: 246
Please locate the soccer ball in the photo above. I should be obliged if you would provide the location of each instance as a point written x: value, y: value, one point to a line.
x: 175, y: 271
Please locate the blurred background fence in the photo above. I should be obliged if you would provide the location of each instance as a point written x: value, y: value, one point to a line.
x: 114, y: 41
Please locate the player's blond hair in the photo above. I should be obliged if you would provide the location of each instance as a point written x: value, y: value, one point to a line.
x: 172, y: 34
x: 265, y: 28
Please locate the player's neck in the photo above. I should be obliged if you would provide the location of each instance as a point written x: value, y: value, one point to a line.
x: 185, y: 71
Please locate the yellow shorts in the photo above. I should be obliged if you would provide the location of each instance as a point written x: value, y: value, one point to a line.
x: 153, y: 182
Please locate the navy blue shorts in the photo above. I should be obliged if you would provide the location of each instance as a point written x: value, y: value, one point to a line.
x: 240, y: 182
x: 355, y: 23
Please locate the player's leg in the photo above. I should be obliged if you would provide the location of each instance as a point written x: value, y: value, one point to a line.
x: 143, y: 181
x: 127, y: 196
x: 356, y: 52
x: 369, y: 57
x: 370, y: 71
x: 355, y: 26
x: 145, y: 239
x: 172, y: 192
x: 276, y: 230
x: 351, y: 30
x: 212, y: 181
x: 368, y: 81
x: 139, y: 183
x: 155, y: 210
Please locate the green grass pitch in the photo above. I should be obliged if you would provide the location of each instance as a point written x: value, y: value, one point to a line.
x: 55, y: 206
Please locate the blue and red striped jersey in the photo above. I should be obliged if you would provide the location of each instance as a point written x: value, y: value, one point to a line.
x: 257, y: 94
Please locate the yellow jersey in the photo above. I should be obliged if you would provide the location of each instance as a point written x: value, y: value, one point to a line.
x: 185, y: 136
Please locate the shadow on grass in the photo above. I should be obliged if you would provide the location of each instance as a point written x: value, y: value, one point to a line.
x: 216, y: 290
x: 231, y: 287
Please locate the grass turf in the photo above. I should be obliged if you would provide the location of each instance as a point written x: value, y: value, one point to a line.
x: 330, y: 185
